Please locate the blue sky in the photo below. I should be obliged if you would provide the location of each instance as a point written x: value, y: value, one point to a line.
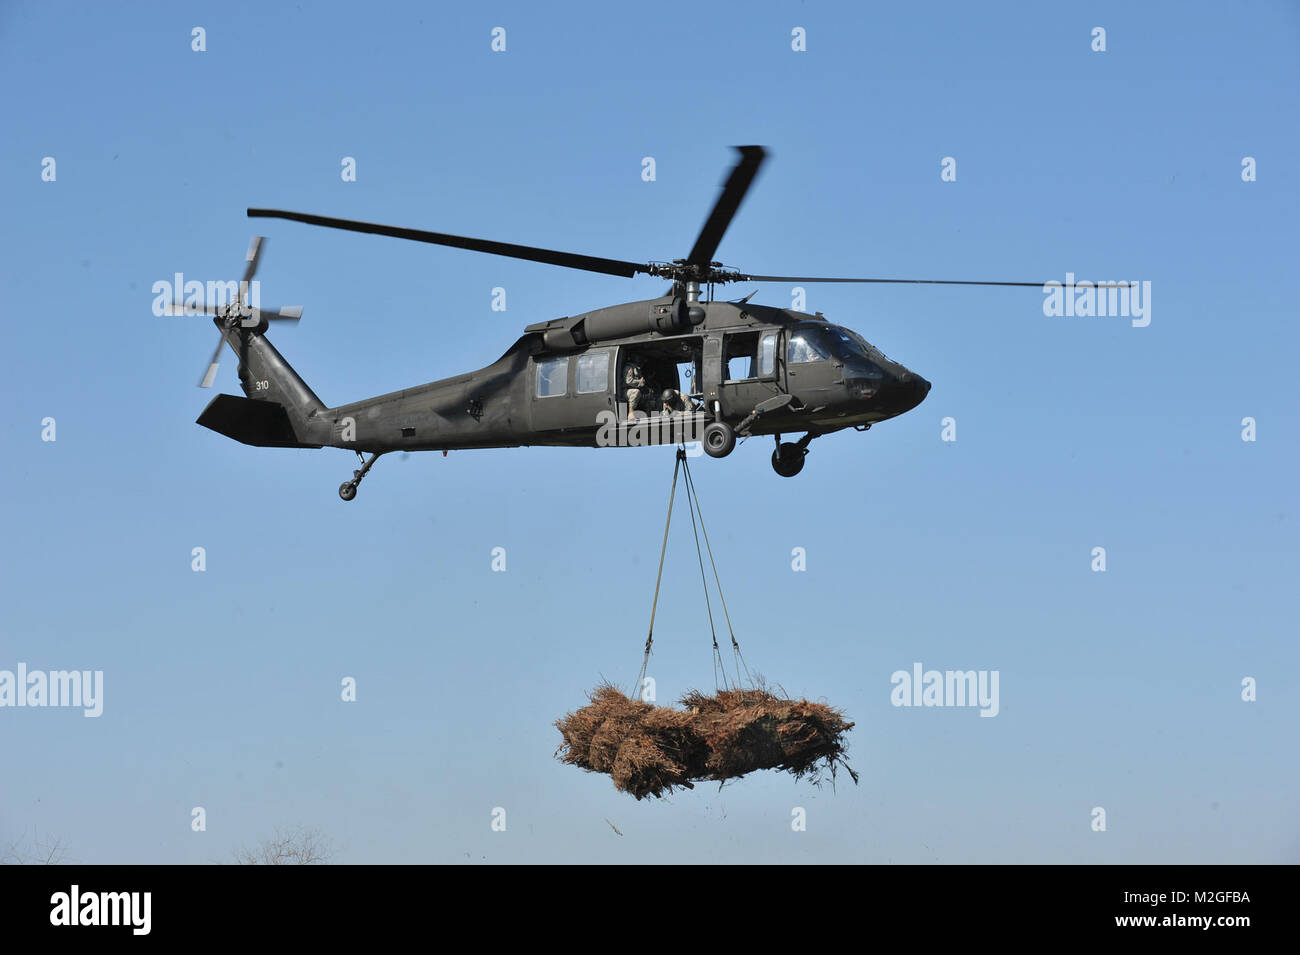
x: 1119, y: 689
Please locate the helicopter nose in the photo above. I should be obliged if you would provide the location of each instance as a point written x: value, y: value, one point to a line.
x: 912, y: 390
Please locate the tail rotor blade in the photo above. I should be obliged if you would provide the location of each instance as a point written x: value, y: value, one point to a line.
x: 181, y: 309
x: 250, y: 258
x: 289, y: 313
x: 213, y: 363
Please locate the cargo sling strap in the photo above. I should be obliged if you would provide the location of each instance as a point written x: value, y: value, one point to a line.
x: 682, y: 466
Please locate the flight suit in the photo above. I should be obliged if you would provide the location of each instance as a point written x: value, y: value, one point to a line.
x: 635, y: 383
x: 676, y: 402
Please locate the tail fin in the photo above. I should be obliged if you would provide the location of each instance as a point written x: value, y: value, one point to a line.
x: 279, y: 411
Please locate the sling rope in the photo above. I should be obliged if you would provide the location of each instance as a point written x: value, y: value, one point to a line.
x: 682, y: 466
x: 639, y: 687
x: 735, y: 644
x: 692, y: 505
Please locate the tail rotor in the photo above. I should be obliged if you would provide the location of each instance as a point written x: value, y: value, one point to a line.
x: 238, y: 311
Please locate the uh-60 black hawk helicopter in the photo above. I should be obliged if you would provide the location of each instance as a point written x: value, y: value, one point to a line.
x: 682, y: 367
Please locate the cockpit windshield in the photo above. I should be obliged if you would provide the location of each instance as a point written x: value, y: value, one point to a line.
x: 869, y: 349
x: 820, y: 342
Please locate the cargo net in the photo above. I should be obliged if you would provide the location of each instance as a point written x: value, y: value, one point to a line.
x: 649, y: 750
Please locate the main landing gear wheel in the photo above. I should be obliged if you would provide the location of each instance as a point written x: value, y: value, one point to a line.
x: 787, y: 459
x: 347, y: 490
x: 719, y: 439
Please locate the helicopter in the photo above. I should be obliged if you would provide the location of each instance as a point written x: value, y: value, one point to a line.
x: 678, y: 368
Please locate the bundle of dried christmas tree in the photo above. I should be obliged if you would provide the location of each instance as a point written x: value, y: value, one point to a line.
x: 649, y: 750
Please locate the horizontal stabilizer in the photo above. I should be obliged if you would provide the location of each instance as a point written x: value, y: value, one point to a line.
x: 263, y: 424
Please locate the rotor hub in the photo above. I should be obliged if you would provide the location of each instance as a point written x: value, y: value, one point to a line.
x: 682, y: 272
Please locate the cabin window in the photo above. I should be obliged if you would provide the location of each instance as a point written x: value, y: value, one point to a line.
x: 767, y: 355
x: 738, y: 353
x: 551, y: 376
x: 593, y: 372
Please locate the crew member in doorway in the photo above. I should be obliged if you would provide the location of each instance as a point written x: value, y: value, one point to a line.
x: 677, y: 402
x: 634, y: 382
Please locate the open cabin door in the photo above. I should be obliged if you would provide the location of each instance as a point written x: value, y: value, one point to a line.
x: 663, y: 365
x: 748, y: 370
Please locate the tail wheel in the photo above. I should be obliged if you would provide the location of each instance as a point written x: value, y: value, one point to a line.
x: 787, y: 460
x: 719, y: 439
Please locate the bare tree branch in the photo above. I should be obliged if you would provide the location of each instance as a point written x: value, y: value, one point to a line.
x: 292, y: 846
x: 36, y: 850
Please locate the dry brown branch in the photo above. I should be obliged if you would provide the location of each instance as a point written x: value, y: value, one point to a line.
x: 649, y: 750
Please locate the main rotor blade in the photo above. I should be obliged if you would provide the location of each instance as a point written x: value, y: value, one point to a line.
x: 808, y: 278
x: 572, y: 260
x: 738, y: 183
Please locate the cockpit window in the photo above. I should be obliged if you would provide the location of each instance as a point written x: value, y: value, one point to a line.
x: 806, y: 345
x: 869, y: 349
x: 818, y: 342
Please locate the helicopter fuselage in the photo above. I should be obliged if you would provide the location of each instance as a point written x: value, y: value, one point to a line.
x: 671, y: 369
x: 737, y: 364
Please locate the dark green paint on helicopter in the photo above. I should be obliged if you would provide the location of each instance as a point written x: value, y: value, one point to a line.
x: 753, y: 369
